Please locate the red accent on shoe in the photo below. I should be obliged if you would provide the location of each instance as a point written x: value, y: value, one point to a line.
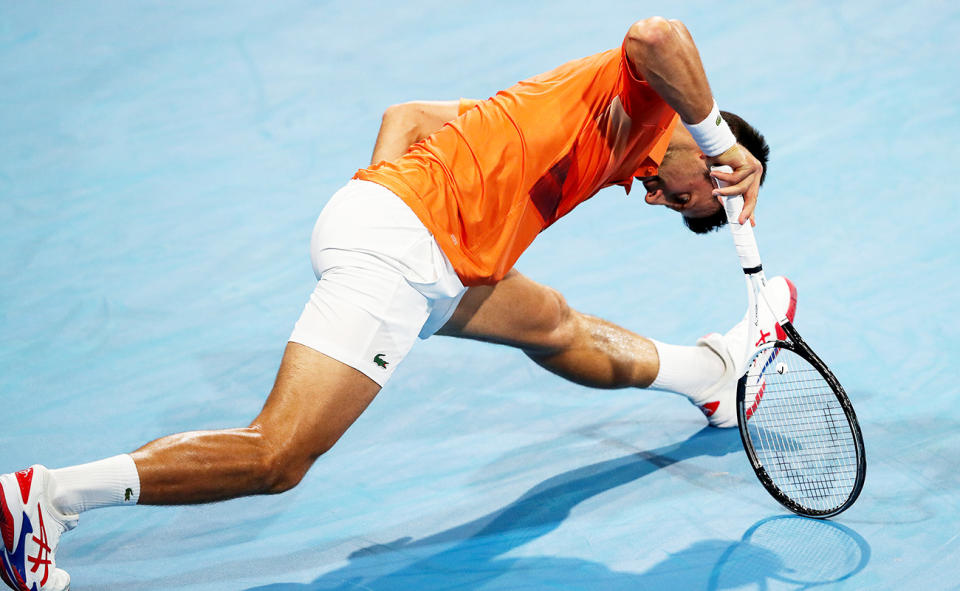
x: 6, y: 523
x: 25, y: 479
x: 43, y: 551
x: 710, y: 407
x: 791, y: 308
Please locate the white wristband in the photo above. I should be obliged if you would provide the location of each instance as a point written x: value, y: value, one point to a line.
x: 713, y: 135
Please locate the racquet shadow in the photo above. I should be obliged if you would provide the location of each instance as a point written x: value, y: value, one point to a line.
x: 791, y: 549
x: 472, y: 555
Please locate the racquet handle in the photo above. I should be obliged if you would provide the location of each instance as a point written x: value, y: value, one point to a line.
x: 743, y: 238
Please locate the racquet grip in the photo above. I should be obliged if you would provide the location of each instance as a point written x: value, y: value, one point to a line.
x: 743, y: 237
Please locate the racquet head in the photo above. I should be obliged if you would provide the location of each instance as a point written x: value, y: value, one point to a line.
x: 800, y: 432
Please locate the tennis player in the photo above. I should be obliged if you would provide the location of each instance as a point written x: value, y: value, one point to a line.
x: 424, y: 241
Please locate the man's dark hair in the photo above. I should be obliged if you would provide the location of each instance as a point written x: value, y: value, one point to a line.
x: 750, y: 138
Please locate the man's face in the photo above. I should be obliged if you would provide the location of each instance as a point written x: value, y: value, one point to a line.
x: 683, y: 184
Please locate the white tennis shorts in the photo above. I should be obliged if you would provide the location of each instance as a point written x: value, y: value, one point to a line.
x: 382, y: 281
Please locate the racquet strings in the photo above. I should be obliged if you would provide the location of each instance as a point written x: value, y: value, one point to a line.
x: 799, y: 431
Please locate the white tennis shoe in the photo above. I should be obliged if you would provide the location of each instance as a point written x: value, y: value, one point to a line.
x: 31, y: 528
x: 719, y: 402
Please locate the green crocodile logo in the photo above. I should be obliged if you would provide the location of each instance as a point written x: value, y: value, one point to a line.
x: 127, y: 494
x: 378, y: 359
x: 719, y: 120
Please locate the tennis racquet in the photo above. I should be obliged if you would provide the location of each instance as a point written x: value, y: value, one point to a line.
x: 798, y: 427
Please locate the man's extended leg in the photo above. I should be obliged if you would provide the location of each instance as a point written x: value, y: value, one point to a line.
x: 314, y: 400
x: 582, y: 348
x: 590, y: 351
x: 371, y: 255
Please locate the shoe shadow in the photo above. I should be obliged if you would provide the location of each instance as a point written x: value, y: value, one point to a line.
x: 471, y: 555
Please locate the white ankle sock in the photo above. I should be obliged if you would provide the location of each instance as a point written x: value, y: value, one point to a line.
x: 687, y: 370
x: 104, y: 483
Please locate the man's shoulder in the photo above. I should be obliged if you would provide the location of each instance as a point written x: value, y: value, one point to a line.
x: 584, y: 66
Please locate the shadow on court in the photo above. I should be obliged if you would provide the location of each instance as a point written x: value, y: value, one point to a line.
x: 471, y: 556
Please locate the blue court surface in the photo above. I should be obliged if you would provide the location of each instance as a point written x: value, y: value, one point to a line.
x: 161, y: 167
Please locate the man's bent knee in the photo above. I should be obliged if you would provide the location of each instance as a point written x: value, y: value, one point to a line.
x: 556, y: 325
x: 282, y: 470
x: 282, y: 464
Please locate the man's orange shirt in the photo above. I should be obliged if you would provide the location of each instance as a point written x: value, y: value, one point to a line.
x: 488, y: 182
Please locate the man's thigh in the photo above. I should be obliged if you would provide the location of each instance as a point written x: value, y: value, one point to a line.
x: 516, y: 311
x: 314, y: 400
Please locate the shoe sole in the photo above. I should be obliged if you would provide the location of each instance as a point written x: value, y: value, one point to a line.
x: 6, y: 529
x: 6, y: 522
